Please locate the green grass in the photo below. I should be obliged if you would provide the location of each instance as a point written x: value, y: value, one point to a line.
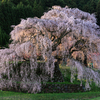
x: 97, y: 98
x: 8, y: 95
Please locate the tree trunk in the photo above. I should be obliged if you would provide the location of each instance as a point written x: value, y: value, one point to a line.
x: 58, y: 77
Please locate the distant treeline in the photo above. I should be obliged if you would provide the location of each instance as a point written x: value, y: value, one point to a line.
x: 11, y: 12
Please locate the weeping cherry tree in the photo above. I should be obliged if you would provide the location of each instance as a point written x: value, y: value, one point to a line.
x: 59, y: 33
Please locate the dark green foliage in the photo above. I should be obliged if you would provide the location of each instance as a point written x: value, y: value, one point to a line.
x: 5, y: 16
x: 98, y: 13
x: 37, y: 9
x: 16, y: 2
x: 59, y: 2
x: 94, y: 88
x: 3, y: 38
x: 90, y: 6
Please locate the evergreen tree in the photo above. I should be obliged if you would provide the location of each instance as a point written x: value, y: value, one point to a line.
x: 6, y: 16
x: 3, y: 38
x: 98, y: 13
x: 86, y: 8
x: 16, y: 1
x: 31, y: 2
x: 71, y: 4
x: 20, y: 9
x: 91, y: 6
x: 29, y: 11
x: 60, y: 2
x: 37, y: 9
x: 42, y: 3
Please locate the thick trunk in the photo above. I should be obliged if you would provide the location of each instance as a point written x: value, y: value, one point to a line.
x: 85, y: 60
x: 58, y: 77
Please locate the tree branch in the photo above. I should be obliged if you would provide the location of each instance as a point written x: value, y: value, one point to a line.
x: 58, y: 40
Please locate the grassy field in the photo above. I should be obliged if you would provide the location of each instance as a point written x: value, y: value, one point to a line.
x: 94, y: 94
x: 8, y: 95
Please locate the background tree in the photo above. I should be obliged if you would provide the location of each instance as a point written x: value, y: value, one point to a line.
x: 37, y: 9
x: 6, y: 15
x: 98, y: 13
x: 91, y: 6
x: 61, y: 2
x: 3, y: 38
